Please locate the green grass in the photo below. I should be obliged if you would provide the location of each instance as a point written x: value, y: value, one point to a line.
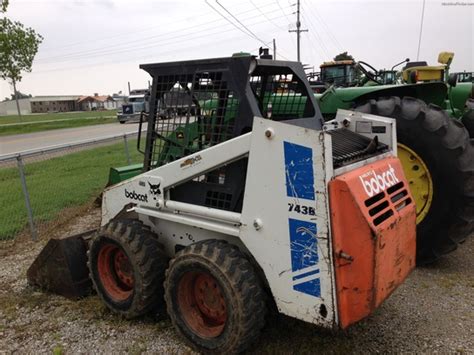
x: 68, y: 181
x: 38, y: 127
x: 55, y: 116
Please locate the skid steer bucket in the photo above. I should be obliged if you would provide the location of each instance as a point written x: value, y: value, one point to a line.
x: 61, y: 267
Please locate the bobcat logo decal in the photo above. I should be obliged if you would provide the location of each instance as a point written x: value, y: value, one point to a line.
x: 155, y: 190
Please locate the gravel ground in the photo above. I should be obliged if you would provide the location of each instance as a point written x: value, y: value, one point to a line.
x: 432, y: 312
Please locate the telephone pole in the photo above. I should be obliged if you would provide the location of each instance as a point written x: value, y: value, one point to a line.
x: 298, y: 30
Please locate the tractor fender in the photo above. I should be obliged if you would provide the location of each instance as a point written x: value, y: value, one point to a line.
x: 431, y: 93
x: 460, y: 94
x: 347, y: 98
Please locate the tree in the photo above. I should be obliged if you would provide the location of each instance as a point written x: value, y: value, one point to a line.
x: 20, y: 96
x: 18, y: 47
x: 343, y: 56
x: 3, y: 5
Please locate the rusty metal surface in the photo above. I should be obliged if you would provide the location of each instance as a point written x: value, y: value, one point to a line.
x: 374, y: 236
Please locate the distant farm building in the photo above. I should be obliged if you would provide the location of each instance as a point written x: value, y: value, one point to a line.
x: 62, y: 103
x: 96, y: 102
x: 9, y: 107
x: 45, y: 104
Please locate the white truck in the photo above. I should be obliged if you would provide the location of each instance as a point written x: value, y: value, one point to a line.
x: 137, y: 103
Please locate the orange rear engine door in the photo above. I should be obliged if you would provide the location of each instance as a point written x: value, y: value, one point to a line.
x: 374, y: 236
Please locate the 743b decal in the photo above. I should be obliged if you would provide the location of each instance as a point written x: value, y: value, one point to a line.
x: 301, y: 209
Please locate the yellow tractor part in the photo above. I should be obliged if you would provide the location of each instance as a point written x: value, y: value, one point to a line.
x: 430, y: 72
x: 419, y: 178
x: 425, y: 73
x: 445, y: 58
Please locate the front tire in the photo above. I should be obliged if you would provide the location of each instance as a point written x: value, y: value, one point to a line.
x: 214, y: 297
x: 441, y: 145
x: 127, y: 267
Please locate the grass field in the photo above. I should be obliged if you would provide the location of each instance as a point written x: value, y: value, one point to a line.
x: 38, y: 127
x: 43, y: 122
x: 56, y: 184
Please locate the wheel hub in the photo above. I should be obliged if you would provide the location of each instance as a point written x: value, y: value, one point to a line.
x: 209, y: 297
x: 419, y: 179
x: 115, y: 272
x: 202, y: 304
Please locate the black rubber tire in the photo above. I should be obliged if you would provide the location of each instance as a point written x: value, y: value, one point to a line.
x: 468, y: 117
x: 148, y: 262
x: 444, y: 145
x: 242, y: 290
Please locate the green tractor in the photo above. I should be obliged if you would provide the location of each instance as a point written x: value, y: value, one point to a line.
x: 432, y: 111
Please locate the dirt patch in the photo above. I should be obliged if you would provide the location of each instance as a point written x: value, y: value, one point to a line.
x: 432, y: 312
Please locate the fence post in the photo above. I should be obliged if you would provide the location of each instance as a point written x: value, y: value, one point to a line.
x: 29, y: 211
x: 127, y: 153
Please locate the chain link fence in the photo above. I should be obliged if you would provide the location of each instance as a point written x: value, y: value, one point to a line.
x: 41, y: 188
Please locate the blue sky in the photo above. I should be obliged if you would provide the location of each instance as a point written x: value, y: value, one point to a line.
x: 96, y: 45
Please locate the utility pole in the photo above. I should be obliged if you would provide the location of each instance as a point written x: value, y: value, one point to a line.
x: 298, y: 30
x: 274, y: 49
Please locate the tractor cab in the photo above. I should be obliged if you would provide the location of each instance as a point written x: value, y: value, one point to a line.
x: 348, y: 73
x: 339, y: 73
x: 387, y: 77
x: 465, y: 77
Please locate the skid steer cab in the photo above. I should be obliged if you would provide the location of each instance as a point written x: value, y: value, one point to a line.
x: 246, y: 198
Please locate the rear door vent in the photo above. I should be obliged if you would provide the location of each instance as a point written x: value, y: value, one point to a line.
x: 383, y: 205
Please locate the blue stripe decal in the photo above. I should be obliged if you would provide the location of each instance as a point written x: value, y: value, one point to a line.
x: 309, y: 273
x: 304, y: 254
x: 312, y: 287
x: 299, y: 171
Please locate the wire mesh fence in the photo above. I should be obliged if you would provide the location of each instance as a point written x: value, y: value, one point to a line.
x: 40, y: 188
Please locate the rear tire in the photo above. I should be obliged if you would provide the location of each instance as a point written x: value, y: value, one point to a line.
x: 447, y: 151
x: 468, y: 117
x: 214, y: 297
x: 127, y: 267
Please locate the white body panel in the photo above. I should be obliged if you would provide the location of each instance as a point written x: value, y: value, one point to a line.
x: 293, y: 248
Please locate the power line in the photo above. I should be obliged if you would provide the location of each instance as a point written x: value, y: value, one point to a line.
x: 137, y: 42
x: 160, y: 44
x: 137, y: 45
x: 320, y: 18
x: 318, y: 39
x: 421, y: 30
x: 274, y: 24
x: 128, y: 60
x: 249, y: 32
x: 236, y: 19
x: 264, y: 15
x: 313, y: 52
x: 121, y: 35
x: 225, y: 18
x: 287, y: 18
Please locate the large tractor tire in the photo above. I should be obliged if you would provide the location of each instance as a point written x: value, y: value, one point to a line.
x: 127, y: 267
x: 214, y: 297
x: 468, y: 117
x: 438, y: 159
